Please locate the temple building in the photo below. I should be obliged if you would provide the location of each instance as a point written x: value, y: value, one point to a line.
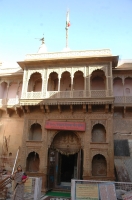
x: 70, y: 113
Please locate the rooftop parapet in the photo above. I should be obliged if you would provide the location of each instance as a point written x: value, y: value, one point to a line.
x: 68, y: 54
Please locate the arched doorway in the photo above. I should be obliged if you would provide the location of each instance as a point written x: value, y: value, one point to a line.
x: 65, y: 159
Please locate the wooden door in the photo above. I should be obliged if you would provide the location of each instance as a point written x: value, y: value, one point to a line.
x: 59, y: 168
x: 79, y: 165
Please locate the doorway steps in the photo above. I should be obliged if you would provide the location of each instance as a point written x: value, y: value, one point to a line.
x: 64, y: 186
x: 62, y: 194
x: 64, y: 189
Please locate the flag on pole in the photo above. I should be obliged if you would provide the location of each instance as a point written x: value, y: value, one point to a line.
x: 67, y: 20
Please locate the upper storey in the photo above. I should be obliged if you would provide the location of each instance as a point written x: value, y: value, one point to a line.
x: 71, y: 77
x: 122, y: 83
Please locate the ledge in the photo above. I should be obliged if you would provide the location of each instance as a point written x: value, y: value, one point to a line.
x: 69, y: 54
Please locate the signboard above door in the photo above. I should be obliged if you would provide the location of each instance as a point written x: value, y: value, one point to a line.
x: 71, y: 126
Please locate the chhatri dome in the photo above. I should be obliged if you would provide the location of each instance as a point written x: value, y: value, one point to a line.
x: 42, y: 48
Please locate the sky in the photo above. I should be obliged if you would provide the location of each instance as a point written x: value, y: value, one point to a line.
x: 96, y: 24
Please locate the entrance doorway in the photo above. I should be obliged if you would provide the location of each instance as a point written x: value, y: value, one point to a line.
x: 68, y: 167
x: 65, y: 159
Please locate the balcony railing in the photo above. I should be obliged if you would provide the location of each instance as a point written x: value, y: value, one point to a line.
x: 66, y: 94
x: 33, y: 95
x: 123, y: 99
x: 9, y: 102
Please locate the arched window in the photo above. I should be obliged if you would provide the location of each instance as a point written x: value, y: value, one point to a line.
x: 99, y: 166
x: 127, y: 91
x: 128, y: 86
x: 118, y: 87
x: 53, y: 82
x: 98, y: 133
x: 35, y: 83
x: 32, y: 162
x: 98, y: 80
x: 65, y: 82
x: 78, y: 81
x: 35, y: 132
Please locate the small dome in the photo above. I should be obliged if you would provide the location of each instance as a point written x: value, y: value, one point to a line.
x: 42, y: 48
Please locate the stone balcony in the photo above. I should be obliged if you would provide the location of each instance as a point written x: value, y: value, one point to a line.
x: 81, y: 94
x: 54, y: 97
x: 66, y: 94
x: 66, y: 97
x: 72, y: 95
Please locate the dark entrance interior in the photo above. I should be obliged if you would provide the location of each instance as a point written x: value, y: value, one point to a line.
x: 68, y: 167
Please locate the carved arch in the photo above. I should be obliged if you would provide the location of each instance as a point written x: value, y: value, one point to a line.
x: 51, y: 71
x: 127, y: 76
x: 4, y: 81
x: 94, y: 68
x: 31, y: 122
x: 30, y: 73
x: 54, y: 134
x: 101, y: 153
x: 118, y: 77
x: 77, y: 70
x: 102, y: 122
x: 65, y: 70
x: 33, y: 150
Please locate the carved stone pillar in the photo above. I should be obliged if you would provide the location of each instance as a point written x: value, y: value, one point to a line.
x: 59, y: 77
x: 59, y: 84
x: 88, y: 91
x: 44, y: 83
x: 17, y: 92
x: 85, y: 81
x: 25, y: 83
x: 123, y: 82
x: 8, y: 85
x: 71, y: 86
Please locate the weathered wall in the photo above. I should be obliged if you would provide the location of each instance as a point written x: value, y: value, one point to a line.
x: 122, y: 126
x: 11, y: 127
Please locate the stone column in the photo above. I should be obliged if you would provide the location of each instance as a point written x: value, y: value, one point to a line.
x: 8, y: 85
x: 25, y: 83
x: 17, y: 92
x: 123, y: 82
x: 88, y: 89
x: 84, y: 75
x: 71, y: 86
x: 59, y: 77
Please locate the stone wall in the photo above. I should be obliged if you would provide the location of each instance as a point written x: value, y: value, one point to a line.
x: 12, y: 129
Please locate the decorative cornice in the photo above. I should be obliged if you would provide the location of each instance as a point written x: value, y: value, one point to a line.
x: 69, y: 54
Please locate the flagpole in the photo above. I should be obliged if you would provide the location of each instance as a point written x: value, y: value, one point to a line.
x: 67, y: 26
x: 66, y: 37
